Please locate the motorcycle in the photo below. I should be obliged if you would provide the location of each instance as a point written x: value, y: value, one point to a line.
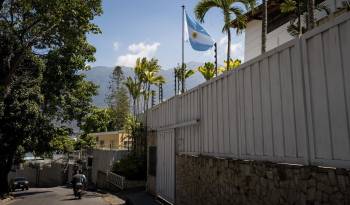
x: 78, y: 190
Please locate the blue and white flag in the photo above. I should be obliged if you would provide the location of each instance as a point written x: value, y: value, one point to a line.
x: 199, y: 38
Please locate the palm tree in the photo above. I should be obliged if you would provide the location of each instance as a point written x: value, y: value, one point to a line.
x: 151, y: 77
x: 184, y: 74
x: 232, y: 64
x: 175, y: 80
x: 178, y: 79
x: 297, y: 8
x: 134, y: 88
x: 228, y: 7
x: 207, y: 70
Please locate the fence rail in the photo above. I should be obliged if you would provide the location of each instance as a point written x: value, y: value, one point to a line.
x: 116, y: 180
x: 289, y: 105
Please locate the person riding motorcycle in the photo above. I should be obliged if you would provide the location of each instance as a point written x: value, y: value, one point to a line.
x: 78, y: 181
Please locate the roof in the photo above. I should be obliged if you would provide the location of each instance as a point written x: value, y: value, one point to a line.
x: 108, y: 133
x: 273, y: 9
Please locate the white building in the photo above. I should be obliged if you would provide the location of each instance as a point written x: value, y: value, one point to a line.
x: 277, y: 26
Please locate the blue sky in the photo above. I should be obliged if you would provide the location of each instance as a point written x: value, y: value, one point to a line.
x: 152, y: 28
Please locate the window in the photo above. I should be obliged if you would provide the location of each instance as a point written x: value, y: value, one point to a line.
x: 102, y: 143
x: 152, y: 155
x: 112, y: 144
x: 89, y: 161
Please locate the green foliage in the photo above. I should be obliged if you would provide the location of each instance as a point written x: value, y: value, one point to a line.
x: 233, y: 64
x: 121, y: 110
x: 118, y: 99
x: 288, y: 6
x: 98, y: 120
x: 43, y: 47
x: 298, y: 10
x: 181, y: 74
x: 115, y: 83
x: 132, y: 167
x: 134, y: 89
x: 207, y: 70
x: 229, y: 9
x: 62, y: 143
x: 146, y: 74
x: 136, y: 131
x: 85, y: 141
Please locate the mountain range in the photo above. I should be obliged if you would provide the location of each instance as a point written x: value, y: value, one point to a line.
x: 101, y: 76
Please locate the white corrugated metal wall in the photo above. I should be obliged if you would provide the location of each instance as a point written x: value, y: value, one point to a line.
x: 289, y: 105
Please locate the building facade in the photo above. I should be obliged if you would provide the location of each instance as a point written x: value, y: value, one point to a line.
x: 277, y: 33
x: 112, y: 140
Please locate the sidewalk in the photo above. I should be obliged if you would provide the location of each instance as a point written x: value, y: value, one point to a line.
x: 140, y: 198
x: 4, y: 201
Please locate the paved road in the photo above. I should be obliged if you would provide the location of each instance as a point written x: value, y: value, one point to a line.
x: 61, y: 196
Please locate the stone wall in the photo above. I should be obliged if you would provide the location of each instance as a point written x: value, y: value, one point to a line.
x: 207, y: 180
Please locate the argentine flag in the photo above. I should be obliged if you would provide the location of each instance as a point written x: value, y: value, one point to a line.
x: 199, y: 38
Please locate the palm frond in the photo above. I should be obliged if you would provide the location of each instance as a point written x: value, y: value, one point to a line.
x: 288, y: 6
x: 189, y: 73
x: 240, y: 23
x: 203, y: 7
x: 249, y: 4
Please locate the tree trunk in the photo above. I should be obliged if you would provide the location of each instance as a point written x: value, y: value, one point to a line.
x: 311, y: 16
x: 183, y: 78
x: 5, y: 164
x: 175, y: 86
x: 264, y: 28
x: 228, y: 48
x: 4, y: 188
x: 134, y: 106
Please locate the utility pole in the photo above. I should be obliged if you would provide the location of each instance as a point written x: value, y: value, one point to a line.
x: 216, y: 58
x: 161, y: 93
x: 175, y: 81
x: 153, y: 93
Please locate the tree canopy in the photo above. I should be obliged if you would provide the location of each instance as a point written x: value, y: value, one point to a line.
x: 43, y: 45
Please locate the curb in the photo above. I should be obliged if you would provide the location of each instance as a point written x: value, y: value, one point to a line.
x: 4, y: 201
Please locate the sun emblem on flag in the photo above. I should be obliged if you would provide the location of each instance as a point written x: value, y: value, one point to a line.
x: 194, y: 34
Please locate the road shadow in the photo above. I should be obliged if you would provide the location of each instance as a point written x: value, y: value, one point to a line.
x: 88, y: 195
x: 28, y: 193
x: 70, y: 199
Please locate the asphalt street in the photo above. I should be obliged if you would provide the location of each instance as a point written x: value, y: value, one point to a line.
x: 61, y: 196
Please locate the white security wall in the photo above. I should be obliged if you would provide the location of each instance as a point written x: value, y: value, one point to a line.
x: 104, y: 159
x: 290, y: 105
x: 165, y: 179
x: 277, y: 37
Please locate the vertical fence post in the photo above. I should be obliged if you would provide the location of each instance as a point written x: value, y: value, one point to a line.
x: 308, y: 147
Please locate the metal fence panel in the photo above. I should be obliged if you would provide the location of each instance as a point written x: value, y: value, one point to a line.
x: 326, y: 65
x: 165, y: 179
x: 289, y: 105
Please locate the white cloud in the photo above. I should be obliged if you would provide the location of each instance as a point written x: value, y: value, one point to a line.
x: 116, y: 45
x: 222, y: 41
x: 137, y: 51
x: 237, y: 49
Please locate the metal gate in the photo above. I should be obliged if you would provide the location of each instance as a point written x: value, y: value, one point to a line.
x: 165, y: 180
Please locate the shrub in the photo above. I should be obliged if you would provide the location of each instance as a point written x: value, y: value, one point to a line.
x: 132, y: 167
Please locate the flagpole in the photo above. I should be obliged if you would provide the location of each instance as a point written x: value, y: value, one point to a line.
x: 183, y: 50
